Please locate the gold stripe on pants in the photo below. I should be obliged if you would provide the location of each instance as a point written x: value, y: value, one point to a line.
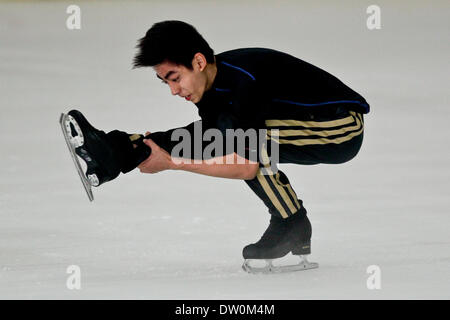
x: 353, y: 125
x: 274, y: 188
x: 277, y: 194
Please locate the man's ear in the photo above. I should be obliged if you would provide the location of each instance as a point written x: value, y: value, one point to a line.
x: 199, y: 61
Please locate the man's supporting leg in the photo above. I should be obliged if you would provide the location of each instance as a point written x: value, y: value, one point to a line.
x: 276, y: 192
x: 289, y: 229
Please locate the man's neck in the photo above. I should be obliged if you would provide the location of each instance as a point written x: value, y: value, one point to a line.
x: 211, y: 73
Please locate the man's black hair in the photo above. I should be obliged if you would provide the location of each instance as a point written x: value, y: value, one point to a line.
x: 174, y: 41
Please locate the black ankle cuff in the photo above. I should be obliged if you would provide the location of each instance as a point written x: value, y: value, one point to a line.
x: 127, y: 155
x: 299, y: 213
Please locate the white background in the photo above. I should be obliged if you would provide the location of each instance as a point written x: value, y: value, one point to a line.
x: 177, y: 235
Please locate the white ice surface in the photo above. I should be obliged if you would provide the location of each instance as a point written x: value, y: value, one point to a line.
x: 177, y: 235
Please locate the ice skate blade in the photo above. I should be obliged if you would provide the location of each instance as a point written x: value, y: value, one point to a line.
x: 73, y: 142
x: 304, y: 264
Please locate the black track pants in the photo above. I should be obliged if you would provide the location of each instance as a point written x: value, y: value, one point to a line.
x: 331, y: 139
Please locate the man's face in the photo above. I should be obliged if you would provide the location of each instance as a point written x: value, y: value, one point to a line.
x: 188, y: 84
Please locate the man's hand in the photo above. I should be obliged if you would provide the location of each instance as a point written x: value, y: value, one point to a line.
x: 159, y: 159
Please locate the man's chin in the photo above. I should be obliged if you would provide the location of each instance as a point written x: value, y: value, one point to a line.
x: 196, y: 99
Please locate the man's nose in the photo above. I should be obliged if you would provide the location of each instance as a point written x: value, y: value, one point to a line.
x: 174, y: 88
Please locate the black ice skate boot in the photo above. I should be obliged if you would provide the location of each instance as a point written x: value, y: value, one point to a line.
x: 105, y: 154
x: 281, y: 237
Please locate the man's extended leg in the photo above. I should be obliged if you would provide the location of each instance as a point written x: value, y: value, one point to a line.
x: 105, y: 154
